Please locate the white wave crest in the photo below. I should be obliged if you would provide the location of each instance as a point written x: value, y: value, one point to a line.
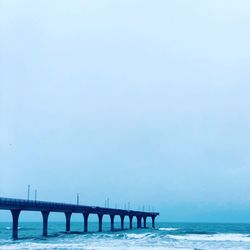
x: 82, y: 246
x: 135, y: 241
x: 138, y: 236
x: 167, y: 229
x: 10, y: 228
x: 212, y: 237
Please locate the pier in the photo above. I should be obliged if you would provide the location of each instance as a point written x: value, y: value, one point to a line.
x: 17, y: 205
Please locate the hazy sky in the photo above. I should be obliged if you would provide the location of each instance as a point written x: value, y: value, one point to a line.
x: 135, y: 100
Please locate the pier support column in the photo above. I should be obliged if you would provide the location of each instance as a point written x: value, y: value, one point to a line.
x: 153, y: 221
x: 131, y: 222
x: 145, y: 221
x: 45, y: 215
x: 15, y: 216
x: 68, y: 217
x: 100, y: 222
x: 122, y: 222
x: 85, y: 216
x: 138, y: 221
x: 112, y: 217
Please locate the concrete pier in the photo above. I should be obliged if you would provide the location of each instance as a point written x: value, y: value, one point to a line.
x: 18, y: 205
x: 138, y: 221
x: 131, y: 222
x: 122, y: 221
x: 68, y: 217
x: 144, y: 221
x: 15, y: 215
x: 86, y: 217
x: 45, y: 215
x: 112, y: 217
x: 100, y: 222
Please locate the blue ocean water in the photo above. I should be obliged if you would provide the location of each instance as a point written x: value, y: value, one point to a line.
x: 195, y: 236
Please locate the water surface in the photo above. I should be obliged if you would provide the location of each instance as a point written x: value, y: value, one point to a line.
x: 195, y: 236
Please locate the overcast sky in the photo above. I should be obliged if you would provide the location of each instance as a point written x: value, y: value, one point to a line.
x: 135, y: 100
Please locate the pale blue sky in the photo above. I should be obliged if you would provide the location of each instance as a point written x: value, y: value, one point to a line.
x: 140, y: 101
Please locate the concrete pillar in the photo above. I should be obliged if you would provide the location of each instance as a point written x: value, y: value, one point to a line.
x: 153, y: 221
x: 131, y: 222
x: 100, y: 222
x: 68, y: 217
x: 15, y: 216
x: 145, y: 221
x: 112, y: 217
x: 138, y: 221
x: 85, y: 216
x: 122, y: 221
x: 45, y: 215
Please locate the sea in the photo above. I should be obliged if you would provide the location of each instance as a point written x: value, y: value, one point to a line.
x: 189, y: 236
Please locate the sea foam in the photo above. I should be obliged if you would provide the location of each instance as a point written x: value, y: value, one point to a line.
x: 167, y: 229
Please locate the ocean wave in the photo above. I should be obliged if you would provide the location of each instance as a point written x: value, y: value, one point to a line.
x: 10, y: 228
x: 134, y: 241
x: 83, y: 246
x: 139, y: 236
x: 167, y: 237
x: 167, y: 229
x: 212, y: 237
